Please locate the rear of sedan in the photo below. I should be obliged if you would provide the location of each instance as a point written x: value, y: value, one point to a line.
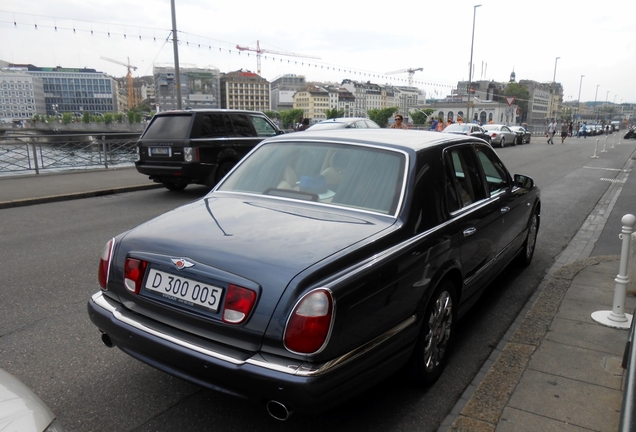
x: 243, y: 291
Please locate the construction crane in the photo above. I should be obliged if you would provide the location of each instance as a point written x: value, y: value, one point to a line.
x: 258, y: 51
x: 129, y: 78
x: 409, y: 71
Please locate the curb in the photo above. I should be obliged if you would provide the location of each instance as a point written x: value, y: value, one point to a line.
x: 77, y: 195
x: 491, y: 393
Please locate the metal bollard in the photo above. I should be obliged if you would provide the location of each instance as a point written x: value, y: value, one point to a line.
x: 595, y: 149
x: 617, y: 317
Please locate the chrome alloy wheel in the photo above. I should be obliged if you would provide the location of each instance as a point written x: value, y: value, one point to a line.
x: 532, y: 236
x: 439, y: 330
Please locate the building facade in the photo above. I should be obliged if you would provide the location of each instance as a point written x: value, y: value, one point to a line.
x: 244, y: 90
x: 314, y: 101
x: 200, y: 87
x: 283, y: 89
x: 21, y: 95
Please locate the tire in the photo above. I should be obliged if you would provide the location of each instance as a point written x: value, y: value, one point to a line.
x: 431, y: 350
x: 223, y: 169
x: 174, y: 186
x: 502, y: 143
x: 529, y: 245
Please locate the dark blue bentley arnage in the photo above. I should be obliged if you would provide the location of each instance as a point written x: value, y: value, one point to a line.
x: 322, y: 263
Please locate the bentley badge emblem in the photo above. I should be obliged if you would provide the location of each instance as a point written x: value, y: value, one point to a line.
x: 181, y: 263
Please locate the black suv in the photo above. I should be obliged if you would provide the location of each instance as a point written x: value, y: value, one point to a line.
x: 199, y: 146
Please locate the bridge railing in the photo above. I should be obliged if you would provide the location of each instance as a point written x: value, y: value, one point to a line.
x: 36, y: 153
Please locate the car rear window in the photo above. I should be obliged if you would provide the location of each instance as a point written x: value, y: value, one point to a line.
x: 358, y: 177
x: 169, y: 127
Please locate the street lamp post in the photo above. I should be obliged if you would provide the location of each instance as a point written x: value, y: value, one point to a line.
x: 555, y: 65
x: 606, y: 105
x: 470, y: 66
x: 578, y: 100
x: 596, y: 110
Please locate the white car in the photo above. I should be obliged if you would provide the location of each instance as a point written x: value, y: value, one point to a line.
x: 500, y: 134
x: 21, y: 410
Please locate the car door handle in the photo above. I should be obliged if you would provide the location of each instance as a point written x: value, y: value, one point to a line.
x: 469, y: 231
x: 505, y: 210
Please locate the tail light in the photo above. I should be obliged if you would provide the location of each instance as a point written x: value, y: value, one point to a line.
x: 310, y: 322
x: 104, y: 264
x: 191, y: 154
x: 239, y: 302
x: 134, y: 271
x: 494, y: 134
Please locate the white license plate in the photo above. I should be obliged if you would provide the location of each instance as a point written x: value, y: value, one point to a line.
x: 160, y: 151
x: 184, y: 290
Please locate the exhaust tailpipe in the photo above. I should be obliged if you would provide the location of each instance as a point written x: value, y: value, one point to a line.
x: 278, y: 410
x: 106, y: 339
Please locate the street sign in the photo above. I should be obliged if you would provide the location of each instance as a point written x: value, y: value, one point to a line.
x: 510, y: 99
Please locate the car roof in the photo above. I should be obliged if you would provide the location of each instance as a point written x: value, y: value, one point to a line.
x: 203, y: 110
x: 406, y: 140
x: 342, y: 120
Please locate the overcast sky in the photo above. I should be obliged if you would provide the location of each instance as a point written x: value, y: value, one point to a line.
x: 355, y: 40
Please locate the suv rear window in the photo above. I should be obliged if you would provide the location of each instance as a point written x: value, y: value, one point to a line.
x: 169, y: 127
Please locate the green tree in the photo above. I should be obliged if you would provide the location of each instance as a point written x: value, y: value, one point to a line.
x: 521, y: 97
x: 334, y: 113
x: 108, y: 118
x: 289, y: 117
x: 67, y: 118
x: 381, y: 116
x: 420, y: 117
x: 119, y: 117
x: 272, y: 114
x: 86, y: 117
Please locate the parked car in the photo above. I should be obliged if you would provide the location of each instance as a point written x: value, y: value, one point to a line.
x: 345, y: 123
x: 22, y: 410
x: 523, y: 134
x: 199, y: 146
x: 468, y: 129
x: 320, y: 265
x: 500, y: 134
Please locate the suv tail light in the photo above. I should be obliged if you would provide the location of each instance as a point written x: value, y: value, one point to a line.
x: 191, y: 154
x: 104, y: 264
x: 310, y: 322
x: 134, y: 271
x: 239, y: 302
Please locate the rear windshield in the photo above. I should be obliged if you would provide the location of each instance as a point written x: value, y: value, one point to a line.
x: 169, y: 127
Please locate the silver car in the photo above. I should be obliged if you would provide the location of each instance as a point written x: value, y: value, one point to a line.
x: 22, y: 410
x: 500, y: 134
x: 345, y: 123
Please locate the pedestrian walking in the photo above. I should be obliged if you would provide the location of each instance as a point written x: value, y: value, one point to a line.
x: 440, y: 125
x: 551, y: 131
x: 584, y: 129
x: 564, y: 131
x: 570, y: 127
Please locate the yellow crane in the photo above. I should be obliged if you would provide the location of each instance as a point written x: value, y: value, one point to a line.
x: 129, y: 78
x: 258, y: 51
x: 409, y: 71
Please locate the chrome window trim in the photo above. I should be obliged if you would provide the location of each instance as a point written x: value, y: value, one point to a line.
x: 300, y: 369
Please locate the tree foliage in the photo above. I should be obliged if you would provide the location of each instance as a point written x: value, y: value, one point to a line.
x: 289, y: 117
x: 334, y: 113
x: 522, y: 96
x: 381, y: 116
x: 421, y: 117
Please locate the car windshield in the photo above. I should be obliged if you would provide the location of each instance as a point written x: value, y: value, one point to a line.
x: 358, y: 177
x: 457, y: 128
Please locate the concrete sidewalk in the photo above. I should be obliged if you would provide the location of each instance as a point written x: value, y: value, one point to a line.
x: 22, y: 190
x: 555, y: 369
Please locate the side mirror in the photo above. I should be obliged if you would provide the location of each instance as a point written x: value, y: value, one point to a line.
x: 523, y: 181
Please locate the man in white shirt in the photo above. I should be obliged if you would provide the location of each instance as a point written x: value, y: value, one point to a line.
x: 551, y: 131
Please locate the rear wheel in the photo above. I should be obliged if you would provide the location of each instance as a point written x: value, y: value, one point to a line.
x: 527, y: 250
x: 502, y: 143
x: 223, y: 169
x: 174, y: 185
x: 431, y: 351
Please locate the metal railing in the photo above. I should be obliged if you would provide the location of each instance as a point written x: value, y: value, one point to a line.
x: 23, y: 154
